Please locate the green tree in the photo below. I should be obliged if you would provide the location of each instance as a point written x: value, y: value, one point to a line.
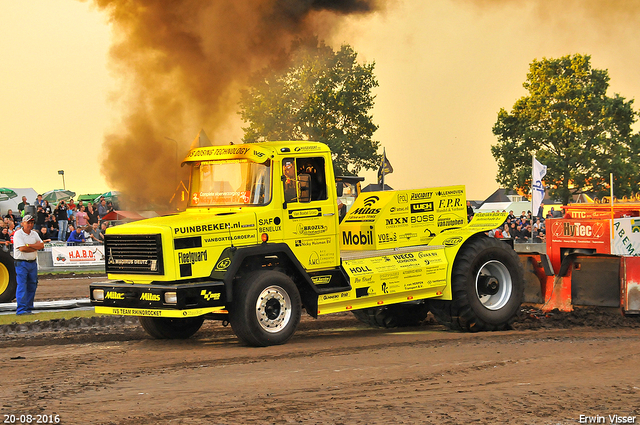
x: 573, y: 127
x: 323, y: 96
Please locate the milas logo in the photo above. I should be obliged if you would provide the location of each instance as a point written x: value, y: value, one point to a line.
x: 371, y: 200
x: 368, y: 202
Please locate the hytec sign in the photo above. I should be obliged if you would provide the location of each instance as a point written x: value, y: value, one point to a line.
x: 574, y: 229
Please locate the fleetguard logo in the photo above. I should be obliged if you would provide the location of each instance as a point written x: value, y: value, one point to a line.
x: 568, y: 229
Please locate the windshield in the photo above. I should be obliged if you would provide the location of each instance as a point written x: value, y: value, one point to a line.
x: 232, y: 182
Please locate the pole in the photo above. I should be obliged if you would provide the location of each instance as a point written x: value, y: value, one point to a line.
x: 61, y: 172
x: 533, y: 165
x: 611, y: 203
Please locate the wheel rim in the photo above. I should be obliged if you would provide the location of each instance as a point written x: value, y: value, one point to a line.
x: 494, y: 285
x: 4, y: 278
x: 273, y: 309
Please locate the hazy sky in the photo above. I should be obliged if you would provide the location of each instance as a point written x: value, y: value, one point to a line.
x: 445, y: 69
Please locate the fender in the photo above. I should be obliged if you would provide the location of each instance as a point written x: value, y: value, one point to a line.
x: 454, y: 240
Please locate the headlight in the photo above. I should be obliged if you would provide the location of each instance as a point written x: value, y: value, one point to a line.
x: 98, y: 294
x: 171, y: 298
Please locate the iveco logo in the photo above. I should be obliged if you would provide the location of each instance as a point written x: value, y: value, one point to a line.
x: 370, y: 201
x: 223, y: 264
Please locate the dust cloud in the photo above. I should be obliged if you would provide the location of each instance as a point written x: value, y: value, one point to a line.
x: 180, y: 65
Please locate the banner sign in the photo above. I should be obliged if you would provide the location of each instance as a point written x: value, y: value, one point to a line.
x: 81, y: 255
x: 626, y: 237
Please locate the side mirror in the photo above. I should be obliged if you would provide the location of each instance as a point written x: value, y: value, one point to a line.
x: 304, y: 182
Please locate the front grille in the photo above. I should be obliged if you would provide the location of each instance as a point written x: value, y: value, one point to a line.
x: 134, y: 254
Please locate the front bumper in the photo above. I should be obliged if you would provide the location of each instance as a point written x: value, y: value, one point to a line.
x: 131, y: 299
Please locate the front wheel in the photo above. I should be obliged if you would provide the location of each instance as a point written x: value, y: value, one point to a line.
x: 266, y: 309
x: 487, y: 286
x: 7, y: 278
x: 165, y: 328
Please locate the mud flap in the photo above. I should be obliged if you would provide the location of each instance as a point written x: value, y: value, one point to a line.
x: 630, y: 274
x: 537, y: 277
x: 595, y: 281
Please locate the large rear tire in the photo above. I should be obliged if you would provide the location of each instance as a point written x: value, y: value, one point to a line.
x: 393, y: 316
x: 165, y: 328
x: 488, y: 287
x: 266, y: 309
x: 7, y: 278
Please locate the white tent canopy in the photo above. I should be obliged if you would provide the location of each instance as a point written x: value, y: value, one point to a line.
x: 12, y: 204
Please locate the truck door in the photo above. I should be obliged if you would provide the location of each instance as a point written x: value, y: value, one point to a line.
x: 310, y: 224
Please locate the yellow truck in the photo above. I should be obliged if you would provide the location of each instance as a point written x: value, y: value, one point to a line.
x: 260, y: 241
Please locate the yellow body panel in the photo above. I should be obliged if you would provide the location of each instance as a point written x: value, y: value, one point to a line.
x: 393, y: 219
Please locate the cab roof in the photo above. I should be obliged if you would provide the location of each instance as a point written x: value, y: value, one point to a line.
x: 257, y: 152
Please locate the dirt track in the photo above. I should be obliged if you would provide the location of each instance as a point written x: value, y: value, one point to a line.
x: 334, y: 371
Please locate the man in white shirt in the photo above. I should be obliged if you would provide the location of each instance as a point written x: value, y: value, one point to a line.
x: 26, y: 243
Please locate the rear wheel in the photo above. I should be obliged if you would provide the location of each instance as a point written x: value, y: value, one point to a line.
x: 487, y: 285
x: 266, y: 309
x: 393, y: 316
x: 7, y: 278
x: 166, y: 328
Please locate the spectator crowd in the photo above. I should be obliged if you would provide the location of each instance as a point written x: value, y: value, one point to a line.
x: 68, y: 222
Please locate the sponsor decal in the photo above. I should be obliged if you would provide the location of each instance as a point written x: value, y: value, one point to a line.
x: 454, y: 192
x: 314, y: 259
x: 136, y: 312
x: 357, y: 239
x: 148, y: 296
x: 450, y: 203
x: 218, y: 151
x: 408, y: 235
x: 396, y: 221
x: 578, y: 230
x: 360, y: 269
x: 223, y: 264
x: 453, y: 241
x: 306, y: 148
x: 305, y: 213
x: 208, y: 295
x: 451, y: 221
x: 311, y: 229
x: 258, y: 154
x: 422, y: 207
x: 269, y: 225
x: 368, y: 207
x: 230, y: 237
x: 405, y: 258
x: 312, y: 242
x: 335, y: 296
x: 424, y: 218
x: 387, y: 237
x: 321, y: 280
x: 398, y: 210
x: 363, y: 279
x: 419, y: 196
x: 211, y: 227
x: 113, y: 295
x: 192, y: 257
x: 635, y: 226
x: 403, y: 198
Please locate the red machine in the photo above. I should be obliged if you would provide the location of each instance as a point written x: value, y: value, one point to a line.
x: 586, y: 262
